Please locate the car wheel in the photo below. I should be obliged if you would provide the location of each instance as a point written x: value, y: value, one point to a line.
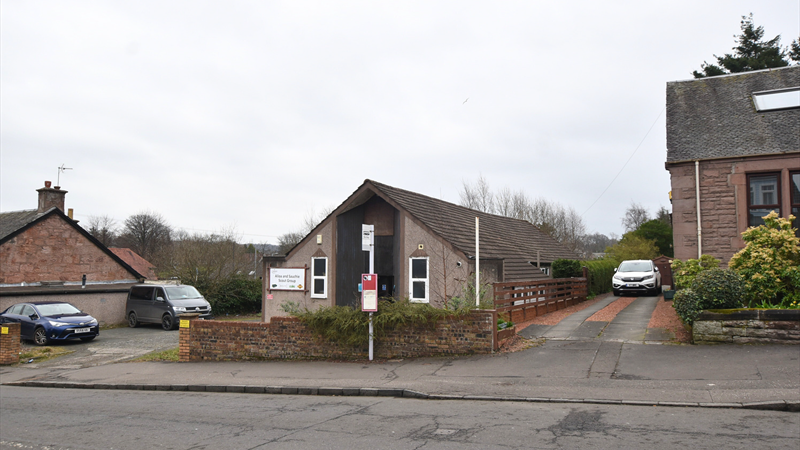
x: 40, y: 336
x: 167, y: 322
x: 87, y: 339
x: 133, y: 322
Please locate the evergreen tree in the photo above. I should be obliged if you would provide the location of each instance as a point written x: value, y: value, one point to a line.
x: 751, y: 53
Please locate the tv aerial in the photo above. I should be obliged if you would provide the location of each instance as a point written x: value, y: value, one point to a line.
x: 61, y: 169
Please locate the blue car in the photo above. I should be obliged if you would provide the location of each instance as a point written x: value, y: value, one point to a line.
x: 43, y: 322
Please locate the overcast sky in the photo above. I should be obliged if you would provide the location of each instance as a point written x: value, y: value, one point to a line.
x: 252, y: 114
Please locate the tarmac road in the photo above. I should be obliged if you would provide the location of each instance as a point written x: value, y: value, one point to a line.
x: 194, y: 420
x: 114, y: 345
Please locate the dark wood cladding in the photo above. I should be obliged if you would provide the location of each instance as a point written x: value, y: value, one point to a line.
x: 350, y: 259
x: 381, y: 214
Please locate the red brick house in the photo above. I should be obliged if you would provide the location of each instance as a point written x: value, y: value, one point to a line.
x: 424, y: 250
x: 44, y: 255
x: 733, y: 154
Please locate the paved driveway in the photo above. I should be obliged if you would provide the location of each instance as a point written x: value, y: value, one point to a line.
x: 113, y: 345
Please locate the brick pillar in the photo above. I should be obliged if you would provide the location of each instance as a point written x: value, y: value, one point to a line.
x: 185, y: 336
x: 10, y: 343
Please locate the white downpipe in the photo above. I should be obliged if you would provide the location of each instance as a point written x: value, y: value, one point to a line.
x: 697, y: 196
x: 477, y: 264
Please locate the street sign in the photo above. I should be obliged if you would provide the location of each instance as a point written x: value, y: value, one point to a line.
x: 369, y: 292
x: 367, y: 237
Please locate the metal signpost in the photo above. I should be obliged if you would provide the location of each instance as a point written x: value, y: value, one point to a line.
x: 369, y: 281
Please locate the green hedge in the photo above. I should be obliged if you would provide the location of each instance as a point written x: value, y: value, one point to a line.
x: 600, y: 273
x: 712, y: 289
x: 567, y: 268
x: 235, y: 295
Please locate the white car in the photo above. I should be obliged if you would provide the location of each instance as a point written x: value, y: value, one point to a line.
x: 640, y: 276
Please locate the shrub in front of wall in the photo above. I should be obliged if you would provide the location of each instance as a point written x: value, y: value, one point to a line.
x: 567, y: 268
x: 687, y: 305
x: 711, y: 289
x: 770, y: 262
x: 600, y: 273
x: 684, y: 273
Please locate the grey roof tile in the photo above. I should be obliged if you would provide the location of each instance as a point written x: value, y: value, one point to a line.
x: 714, y: 117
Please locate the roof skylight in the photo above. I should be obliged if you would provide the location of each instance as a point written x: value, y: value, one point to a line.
x: 777, y: 100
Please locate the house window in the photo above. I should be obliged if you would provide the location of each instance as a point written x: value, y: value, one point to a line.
x: 765, y: 190
x: 795, y: 182
x: 545, y: 270
x: 418, y: 281
x: 777, y: 100
x: 319, y: 277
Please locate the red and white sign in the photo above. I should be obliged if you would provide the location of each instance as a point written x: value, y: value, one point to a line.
x: 369, y: 292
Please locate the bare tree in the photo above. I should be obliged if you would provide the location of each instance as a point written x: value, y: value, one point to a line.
x: 634, y: 217
x: 148, y: 234
x: 287, y: 241
x: 477, y: 196
x: 103, y: 228
x: 564, y: 224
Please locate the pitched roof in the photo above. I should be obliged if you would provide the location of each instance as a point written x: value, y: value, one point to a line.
x: 501, y: 237
x: 133, y: 259
x: 13, y: 223
x: 715, y: 117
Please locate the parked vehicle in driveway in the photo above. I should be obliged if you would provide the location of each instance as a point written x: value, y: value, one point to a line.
x: 43, y: 322
x: 639, y: 276
x: 164, y: 304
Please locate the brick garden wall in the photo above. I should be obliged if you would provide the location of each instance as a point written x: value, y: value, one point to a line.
x: 10, y: 343
x: 289, y: 338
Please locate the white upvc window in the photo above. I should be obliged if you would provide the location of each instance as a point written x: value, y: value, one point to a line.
x: 319, y: 277
x: 418, y: 283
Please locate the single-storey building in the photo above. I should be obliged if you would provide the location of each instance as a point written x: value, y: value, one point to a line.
x: 47, y: 256
x: 733, y: 154
x: 424, y: 250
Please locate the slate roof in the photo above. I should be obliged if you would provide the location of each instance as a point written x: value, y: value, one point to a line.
x: 715, y: 117
x: 12, y: 221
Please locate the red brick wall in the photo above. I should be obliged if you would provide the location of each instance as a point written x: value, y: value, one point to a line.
x: 10, y: 344
x: 289, y: 338
x: 52, y: 250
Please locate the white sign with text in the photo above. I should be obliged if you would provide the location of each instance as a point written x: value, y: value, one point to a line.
x: 281, y: 279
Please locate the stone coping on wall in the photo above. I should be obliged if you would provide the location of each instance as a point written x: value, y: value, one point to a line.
x: 750, y: 314
x: 747, y: 326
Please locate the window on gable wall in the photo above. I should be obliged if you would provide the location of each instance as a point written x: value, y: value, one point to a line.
x: 418, y: 281
x: 795, y: 182
x: 764, y: 197
x: 319, y: 277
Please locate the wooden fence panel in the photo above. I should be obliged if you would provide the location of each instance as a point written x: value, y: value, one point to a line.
x: 523, y: 300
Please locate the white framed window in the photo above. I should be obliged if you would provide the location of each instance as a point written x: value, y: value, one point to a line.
x: 319, y: 277
x: 418, y: 285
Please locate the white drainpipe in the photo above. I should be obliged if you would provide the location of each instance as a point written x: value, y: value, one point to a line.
x: 697, y: 196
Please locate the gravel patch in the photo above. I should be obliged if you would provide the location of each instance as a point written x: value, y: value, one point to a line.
x: 666, y: 317
x: 608, y: 313
x: 555, y: 317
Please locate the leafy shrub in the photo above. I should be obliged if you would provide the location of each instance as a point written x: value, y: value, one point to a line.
x: 687, y: 305
x: 234, y: 295
x: 600, y: 273
x: 632, y: 246
x: 711, y: 289
x: 770, y: 262
x: 567, y: 268
x: 684, y: 273
x: 350, y: 326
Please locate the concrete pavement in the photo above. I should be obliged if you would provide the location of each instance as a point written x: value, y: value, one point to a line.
x: 617, y: 369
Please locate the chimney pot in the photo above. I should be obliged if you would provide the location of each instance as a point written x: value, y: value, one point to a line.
x: 47, y: 184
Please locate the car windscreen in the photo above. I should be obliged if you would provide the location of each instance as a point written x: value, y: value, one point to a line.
x: 635, y: 266
x: 181, y: 292
x: 55, y: 309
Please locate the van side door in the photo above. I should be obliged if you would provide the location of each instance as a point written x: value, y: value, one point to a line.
x: 141, y: 302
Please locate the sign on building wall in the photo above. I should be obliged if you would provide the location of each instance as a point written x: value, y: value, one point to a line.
x: 287, y: 279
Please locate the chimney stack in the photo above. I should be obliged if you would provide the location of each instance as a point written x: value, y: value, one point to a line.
x: 50, y: 197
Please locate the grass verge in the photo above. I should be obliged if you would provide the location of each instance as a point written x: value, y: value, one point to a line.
x: 166, y: 355
x: 39, y: 354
